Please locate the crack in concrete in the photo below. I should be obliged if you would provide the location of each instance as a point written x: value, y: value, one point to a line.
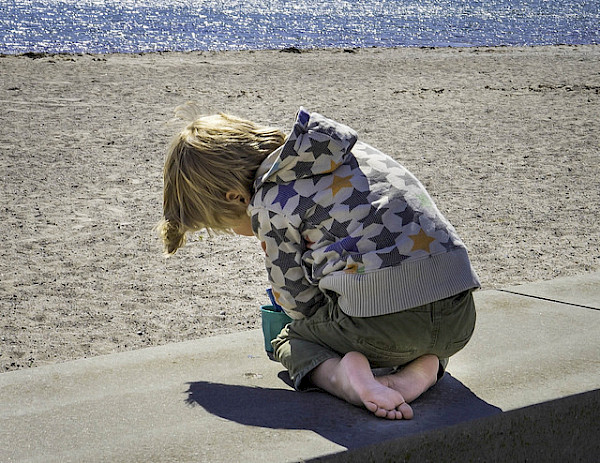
x: 549, y: 300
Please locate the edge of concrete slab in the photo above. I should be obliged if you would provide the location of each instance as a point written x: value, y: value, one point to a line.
x: 565, y: 429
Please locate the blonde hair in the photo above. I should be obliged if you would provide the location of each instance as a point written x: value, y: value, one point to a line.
x: 212, y: 156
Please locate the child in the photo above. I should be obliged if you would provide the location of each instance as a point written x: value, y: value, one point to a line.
x: 356, y: 251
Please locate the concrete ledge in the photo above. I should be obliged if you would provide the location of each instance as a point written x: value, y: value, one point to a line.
x: 524, y: 389
x: 212, y: 400
x: 563, y: 430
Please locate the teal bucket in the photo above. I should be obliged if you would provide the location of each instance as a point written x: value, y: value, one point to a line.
x: 273, y: 321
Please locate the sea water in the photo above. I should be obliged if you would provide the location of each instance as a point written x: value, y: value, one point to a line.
x: 99, y: 26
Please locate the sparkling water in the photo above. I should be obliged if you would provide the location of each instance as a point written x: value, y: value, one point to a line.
x: 98, y: 26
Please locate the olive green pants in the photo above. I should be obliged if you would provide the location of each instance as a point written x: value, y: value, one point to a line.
x: 441, y: 328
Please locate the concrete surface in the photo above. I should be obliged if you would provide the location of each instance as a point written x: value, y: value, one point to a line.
x: 526, y: 386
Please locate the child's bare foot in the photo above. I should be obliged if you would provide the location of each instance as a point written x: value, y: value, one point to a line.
x: 415, y: 378
x: 350, y: 378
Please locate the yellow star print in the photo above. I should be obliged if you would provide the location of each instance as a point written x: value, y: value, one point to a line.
x: 339, y: 183
x: 421, y: 241
x: 354, y: 268
x: 351, y: 268
x: 333, y: 167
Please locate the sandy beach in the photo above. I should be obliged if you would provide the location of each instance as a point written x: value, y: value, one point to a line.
x: 505, y: 139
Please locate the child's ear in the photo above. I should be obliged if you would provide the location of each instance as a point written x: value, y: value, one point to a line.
x: 236, y: 196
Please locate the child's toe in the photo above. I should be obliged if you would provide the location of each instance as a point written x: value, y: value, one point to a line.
x: 406, y: 411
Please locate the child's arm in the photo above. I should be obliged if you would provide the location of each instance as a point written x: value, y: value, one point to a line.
x: 284, y: 248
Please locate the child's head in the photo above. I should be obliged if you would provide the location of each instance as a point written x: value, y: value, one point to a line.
x: 209, y: 164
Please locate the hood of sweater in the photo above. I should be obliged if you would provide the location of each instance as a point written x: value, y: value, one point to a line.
x: 315, y: 146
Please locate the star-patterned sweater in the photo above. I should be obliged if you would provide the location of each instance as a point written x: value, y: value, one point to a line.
x: 340, y: 219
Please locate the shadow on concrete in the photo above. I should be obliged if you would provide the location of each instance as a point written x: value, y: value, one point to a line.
x: 561, y: 430
x: 448, y: 403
